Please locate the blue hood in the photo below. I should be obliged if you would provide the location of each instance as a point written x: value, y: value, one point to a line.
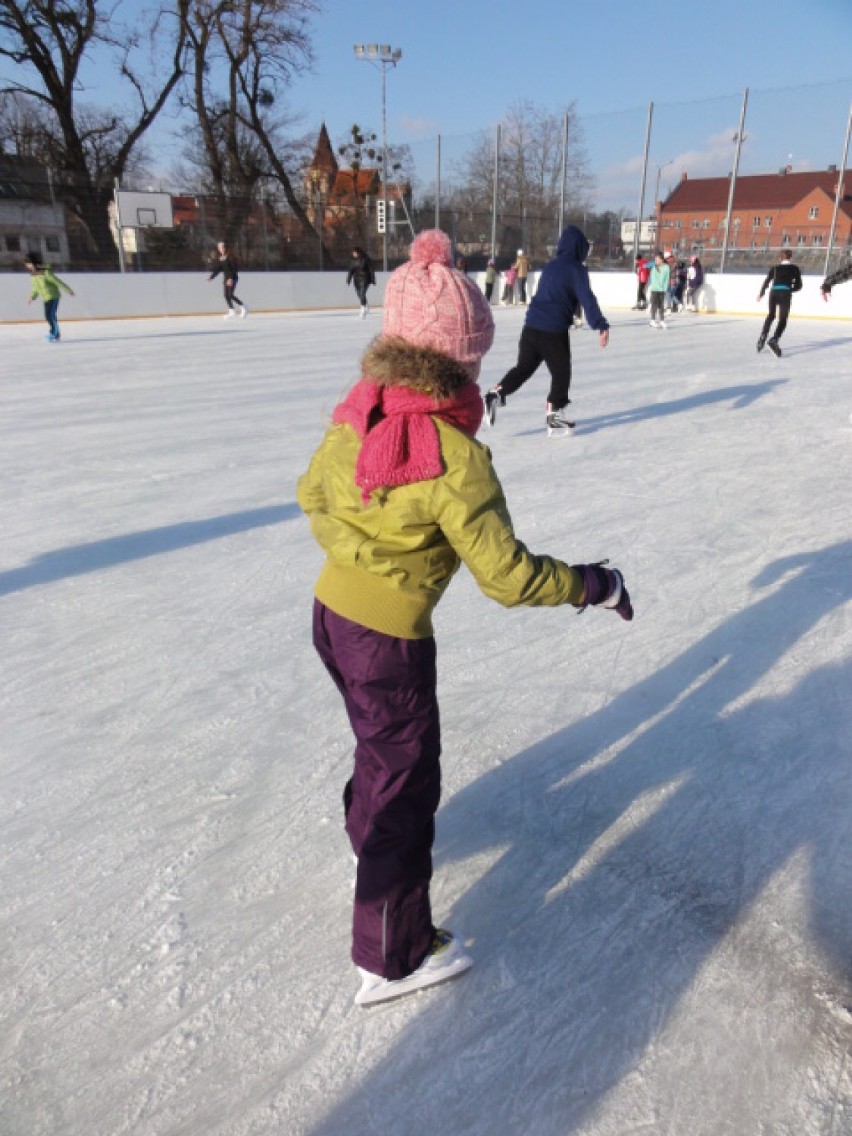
x: 573, y: 244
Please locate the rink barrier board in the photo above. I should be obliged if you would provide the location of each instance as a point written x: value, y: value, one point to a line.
x: 159, y: 295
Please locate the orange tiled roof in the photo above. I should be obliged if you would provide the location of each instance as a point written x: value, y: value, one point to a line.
x: 358, y: 182
x: 757, y: 191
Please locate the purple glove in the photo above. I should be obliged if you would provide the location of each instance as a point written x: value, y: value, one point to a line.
x: 606, y: 588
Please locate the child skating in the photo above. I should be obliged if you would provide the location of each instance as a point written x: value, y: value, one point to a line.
x: 46, y: 286
x: 399, y: 493
x: 658, y: 285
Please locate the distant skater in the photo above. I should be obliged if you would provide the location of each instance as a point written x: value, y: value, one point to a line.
x: 838, y: 277
x: 48, y: 288
x: 563, y: 287
x: 227, y: 265
x: 658, y: 285
x: 782, y: 280
x: 362, y: 275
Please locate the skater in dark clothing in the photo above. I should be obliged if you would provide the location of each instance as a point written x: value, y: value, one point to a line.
x: 838, y: 277
x: 783, y: 279
x: 225, y: 263
x: 491, y: 275
x: 694, y: 283
x: 362, y: 275
x: 563, y: 286
x: 399, y: 493
x: 46, y: 287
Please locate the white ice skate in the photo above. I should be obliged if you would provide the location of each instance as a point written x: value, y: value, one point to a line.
x: 243, y: 312
x: 229, y: 314
x: 445, y: 960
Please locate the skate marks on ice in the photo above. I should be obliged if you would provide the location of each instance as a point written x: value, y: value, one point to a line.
x: 664, y: 933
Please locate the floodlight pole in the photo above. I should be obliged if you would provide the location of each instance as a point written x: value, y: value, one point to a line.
x: 733, y: 183
x: 838, y: 195
x: 116, y: 191
x: 382, y: 56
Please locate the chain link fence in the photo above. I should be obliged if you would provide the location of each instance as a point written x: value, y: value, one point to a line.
x: 493, y: 191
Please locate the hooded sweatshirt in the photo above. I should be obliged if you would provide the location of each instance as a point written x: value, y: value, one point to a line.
x: 563, y: 283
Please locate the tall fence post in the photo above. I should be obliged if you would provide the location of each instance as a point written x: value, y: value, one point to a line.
x: 838, y: 195
x: 438, y: 183
x: 733, y: 184
x: 494, y: 196
x: 637, y: 236
x: 116, y: 191
x: 563, y: 181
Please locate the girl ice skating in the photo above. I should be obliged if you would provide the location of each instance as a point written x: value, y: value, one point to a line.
x: 399, y: 492
x: 47, y: 287
x: 227, y: 265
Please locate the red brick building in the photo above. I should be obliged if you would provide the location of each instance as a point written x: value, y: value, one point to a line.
x: 342, y: 194
x: 771, y: 211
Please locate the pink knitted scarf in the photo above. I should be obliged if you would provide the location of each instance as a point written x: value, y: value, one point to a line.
x: 400, y: 440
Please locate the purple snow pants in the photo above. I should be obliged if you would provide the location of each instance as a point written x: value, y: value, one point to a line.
x: 388, y: 687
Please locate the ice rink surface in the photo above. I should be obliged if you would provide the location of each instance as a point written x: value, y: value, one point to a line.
x: 645, y: 836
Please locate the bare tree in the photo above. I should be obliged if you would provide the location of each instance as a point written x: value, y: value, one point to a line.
x: 48, y: 41
x: 244, y: 54
x: 529, y: 181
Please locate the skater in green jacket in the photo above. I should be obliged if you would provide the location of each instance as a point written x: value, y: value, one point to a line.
x: 47, y: 287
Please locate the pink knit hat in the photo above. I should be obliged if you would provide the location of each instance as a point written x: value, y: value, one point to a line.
x: 430, y: 304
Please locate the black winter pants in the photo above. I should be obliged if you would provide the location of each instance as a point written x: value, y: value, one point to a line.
x: 537, y: 347
x: 779, y: 303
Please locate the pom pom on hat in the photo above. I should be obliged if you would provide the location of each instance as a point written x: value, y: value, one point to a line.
x: 430, y: 304
x: 432, y: 247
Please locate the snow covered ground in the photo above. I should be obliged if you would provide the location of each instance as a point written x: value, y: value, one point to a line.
x: 646, y: 830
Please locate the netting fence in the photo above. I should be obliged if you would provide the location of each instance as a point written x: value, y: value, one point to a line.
x: 493, y: 191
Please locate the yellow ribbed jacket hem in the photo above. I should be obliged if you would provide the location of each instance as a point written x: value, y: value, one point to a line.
x: 376, y: 603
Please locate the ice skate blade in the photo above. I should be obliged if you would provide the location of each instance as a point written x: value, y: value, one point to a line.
x: 387, y: 991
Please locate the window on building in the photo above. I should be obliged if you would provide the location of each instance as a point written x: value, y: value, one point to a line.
x: 785, y: 241
x: 705, y: 224
x: 767, y: 222
x: 695, y: 223
x: 52, y: 244
x: 755, y: 222
x: 13, y: 244
x: 817, y: 240
x: 813, y: 213
x: 800, y: 240
x: 736, y: 222
x: 677, y: 223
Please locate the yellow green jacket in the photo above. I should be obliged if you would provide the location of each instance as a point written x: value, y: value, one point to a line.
x: 46, y: 285
x: 389, y: 562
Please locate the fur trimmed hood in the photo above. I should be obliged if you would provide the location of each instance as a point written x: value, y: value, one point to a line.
x: 393, y: 362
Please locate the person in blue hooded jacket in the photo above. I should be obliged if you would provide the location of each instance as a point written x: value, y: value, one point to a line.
x: 564, y: 283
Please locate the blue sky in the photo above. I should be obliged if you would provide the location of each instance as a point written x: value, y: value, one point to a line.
x: 464, y: 62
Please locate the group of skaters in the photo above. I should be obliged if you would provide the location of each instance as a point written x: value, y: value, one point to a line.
x: 671, y: 283
x: 666, y: 284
